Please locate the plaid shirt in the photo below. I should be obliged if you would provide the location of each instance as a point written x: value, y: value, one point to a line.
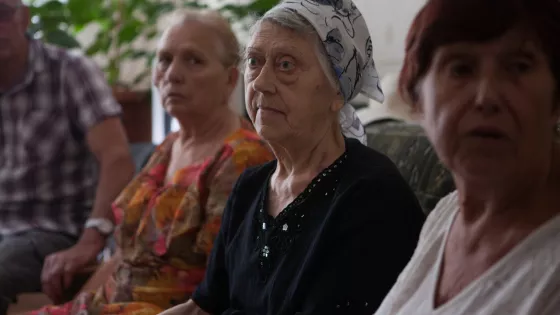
x: 48, y: 176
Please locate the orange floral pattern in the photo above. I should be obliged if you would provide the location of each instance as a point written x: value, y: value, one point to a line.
x: 166, y: 231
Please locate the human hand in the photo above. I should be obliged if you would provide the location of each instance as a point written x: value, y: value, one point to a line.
x: 59, y: 268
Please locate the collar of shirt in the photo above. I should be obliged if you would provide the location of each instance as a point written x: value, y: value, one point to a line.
x: 36, y: 64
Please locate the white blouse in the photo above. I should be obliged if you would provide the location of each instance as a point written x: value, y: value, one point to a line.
x: 526, y: 281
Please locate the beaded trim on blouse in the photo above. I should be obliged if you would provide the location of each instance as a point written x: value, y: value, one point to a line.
x: 276, y: 235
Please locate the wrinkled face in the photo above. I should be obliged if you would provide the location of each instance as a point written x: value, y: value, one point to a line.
x: 14, y: 20
x: 288, y: 96
x: 490, y: 108
x: 190, y: 75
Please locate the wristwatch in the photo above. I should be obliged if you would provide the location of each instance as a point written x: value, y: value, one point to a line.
x: 104, y: 226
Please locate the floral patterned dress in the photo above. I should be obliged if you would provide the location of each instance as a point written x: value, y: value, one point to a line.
x: 166, y: 231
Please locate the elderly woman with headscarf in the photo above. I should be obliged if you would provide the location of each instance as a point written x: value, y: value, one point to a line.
x: 484, y: 77
x: 327, y: 227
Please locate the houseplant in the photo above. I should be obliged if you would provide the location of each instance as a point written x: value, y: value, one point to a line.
x: 120, y: 26
x: 51, y: 22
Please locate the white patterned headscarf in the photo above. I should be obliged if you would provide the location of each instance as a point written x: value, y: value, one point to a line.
x: 346, y: 38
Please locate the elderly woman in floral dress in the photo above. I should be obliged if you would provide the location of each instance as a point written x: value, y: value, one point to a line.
x: 170, y: 214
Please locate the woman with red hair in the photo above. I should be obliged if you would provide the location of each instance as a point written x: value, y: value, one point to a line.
x: 484, y: 79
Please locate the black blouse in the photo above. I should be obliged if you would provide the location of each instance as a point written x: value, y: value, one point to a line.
x: 336, y: 249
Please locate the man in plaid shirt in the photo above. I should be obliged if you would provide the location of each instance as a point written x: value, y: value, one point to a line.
x: 63, y: 159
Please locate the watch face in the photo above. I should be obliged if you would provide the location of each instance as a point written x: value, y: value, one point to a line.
x: 105, y: 227
x: 102, y: 225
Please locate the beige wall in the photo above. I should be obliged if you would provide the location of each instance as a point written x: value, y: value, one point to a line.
x: 388, y: 22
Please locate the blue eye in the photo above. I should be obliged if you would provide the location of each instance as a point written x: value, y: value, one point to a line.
x: 286, y: 65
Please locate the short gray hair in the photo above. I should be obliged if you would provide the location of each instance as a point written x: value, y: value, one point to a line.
x: 219, y: 24
x: 295, y: 22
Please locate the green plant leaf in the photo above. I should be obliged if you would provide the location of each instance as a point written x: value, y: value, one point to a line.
x: 77, y: 28
x: 263, y: 4
x: 195, y: 4
x: 52, y: 6
x: 53, y: 10
x: 153, y: 11
x: 149, y: 59
x: 131, y: 29
x: 113, y: 72
x: 105, y: 25
x: 101, y: 44
x: 141, y: 76
x: 237, y: 11
x: 151, y: 34
x: 56, y: 21
x: 259, y: 7
x: 51, y: 23
x: 163, y: 7
x: 135, y: 54
x: 33, y: 10
x: 60, y: 38
x: 83, y: 12
x: 255, y: 8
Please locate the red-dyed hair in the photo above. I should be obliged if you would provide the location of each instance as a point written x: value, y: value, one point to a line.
x: 443, y: 22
